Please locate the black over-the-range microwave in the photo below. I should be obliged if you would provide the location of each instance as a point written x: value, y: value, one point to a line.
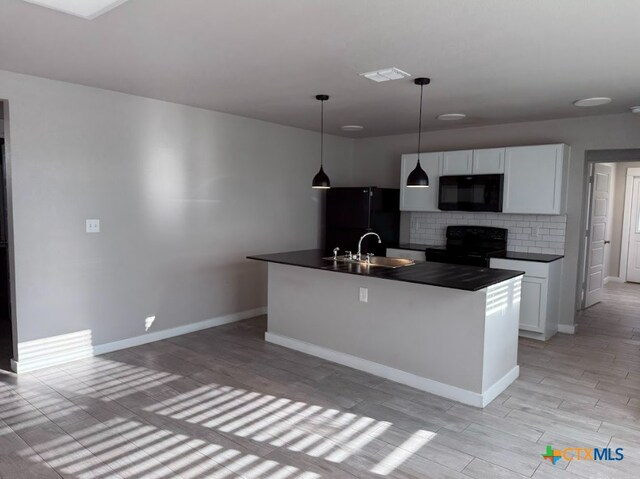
x: 471, y: 193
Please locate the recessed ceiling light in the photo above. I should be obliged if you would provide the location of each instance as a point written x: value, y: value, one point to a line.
x: 87, y: 9
x: 352, y: 128
x: 635, y: 109
x: 451, y: 116
x: 596, y: 101
x: 385, y: 74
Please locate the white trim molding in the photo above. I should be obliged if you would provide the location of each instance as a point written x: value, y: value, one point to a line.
x: 434, y: 387
x: 567, y: 328
x: 613, y: 279
x: 626, y: 221
x: 70, y: 347
x: 499, y: 386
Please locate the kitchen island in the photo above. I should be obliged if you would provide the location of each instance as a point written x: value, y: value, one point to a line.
x: 450, y: 330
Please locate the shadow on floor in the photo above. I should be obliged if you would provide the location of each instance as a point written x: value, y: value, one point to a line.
x: 5, y: 345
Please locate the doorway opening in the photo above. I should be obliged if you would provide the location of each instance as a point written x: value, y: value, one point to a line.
x: 6, y: 324
x: 611, y: 277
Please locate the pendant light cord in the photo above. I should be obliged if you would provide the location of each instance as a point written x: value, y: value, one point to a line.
x: 321, y: 130
x: 420, y: 124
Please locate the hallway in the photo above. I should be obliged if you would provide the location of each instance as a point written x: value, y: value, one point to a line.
x: 618, y: 314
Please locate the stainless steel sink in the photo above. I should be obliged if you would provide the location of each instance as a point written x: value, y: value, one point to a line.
x: 380, y: 261
x: 390, y: 262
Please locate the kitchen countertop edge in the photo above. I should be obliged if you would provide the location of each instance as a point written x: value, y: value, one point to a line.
x: 514, y: 255
x: 481, y: 278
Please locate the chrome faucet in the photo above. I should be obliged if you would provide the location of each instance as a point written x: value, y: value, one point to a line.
x: 359, y: 253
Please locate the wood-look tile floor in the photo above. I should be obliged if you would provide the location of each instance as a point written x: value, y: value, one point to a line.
x: 222, y: 403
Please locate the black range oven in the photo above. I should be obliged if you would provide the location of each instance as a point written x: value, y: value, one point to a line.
x: 471, y: 245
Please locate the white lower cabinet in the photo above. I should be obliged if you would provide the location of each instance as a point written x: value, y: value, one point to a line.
x: 533, y: 304
x: 539, y: 297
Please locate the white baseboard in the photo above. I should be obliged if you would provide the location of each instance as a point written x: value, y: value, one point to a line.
x: 567, y: 328
x: 434, y: 387
x: 500, y: 385
x: 32, y: 364
x: 523, y: 333
x: 613, y: 279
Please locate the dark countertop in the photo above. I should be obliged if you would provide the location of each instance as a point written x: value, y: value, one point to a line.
x: 536, y: 257
x: 467, y: 278
x: 415, y: 246
x: 515, y: 255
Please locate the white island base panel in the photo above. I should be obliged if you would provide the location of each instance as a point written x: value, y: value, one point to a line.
x: 461, y: 345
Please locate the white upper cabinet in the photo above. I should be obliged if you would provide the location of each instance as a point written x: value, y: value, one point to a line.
x: 534, y: 176
x: 457, y: 163
x: 489, y: 161
x: 420, y: 199
x: 473, y: 162
x: 533, y: 179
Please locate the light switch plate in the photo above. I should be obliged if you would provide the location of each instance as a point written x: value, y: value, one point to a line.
x: 93, y: 226
x: 364, y: 295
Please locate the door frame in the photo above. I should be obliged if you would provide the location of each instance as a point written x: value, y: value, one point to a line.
x: 626, y: 221
x: 586, y: 239
x: 9, y: 225
x: 586, y: 266
x: 591, y: 157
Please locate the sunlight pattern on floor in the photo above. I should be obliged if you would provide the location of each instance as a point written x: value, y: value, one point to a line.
x: 94, y: 416
x: 301, y: 427
x: 403, y: 452
x: 129, y: 448
x: 60, y: 432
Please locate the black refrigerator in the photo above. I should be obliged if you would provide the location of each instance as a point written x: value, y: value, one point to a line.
x: 352, y: 212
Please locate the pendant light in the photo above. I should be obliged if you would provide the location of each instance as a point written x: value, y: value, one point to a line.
x: 418, y: 178
x: 321, y: 180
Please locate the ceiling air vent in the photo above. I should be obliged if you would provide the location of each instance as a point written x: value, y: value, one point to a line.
x: 385, y: 74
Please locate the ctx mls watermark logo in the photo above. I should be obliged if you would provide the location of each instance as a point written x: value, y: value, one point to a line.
x: 583, y: 454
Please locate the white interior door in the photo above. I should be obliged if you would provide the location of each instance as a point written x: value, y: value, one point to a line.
x: 598, y: 221
x: 633, y: 259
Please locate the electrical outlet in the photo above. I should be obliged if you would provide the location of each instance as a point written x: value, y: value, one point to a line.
x: 93, y: 226
x: 364, y: 295
x: 536, y: 232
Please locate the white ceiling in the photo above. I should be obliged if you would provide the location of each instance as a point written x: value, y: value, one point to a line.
x: 495, y: 60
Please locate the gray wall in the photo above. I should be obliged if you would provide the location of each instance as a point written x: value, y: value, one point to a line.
x: 183, y: 195
x: 378, y: 161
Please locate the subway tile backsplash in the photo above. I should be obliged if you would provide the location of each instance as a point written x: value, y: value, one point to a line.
x: 527, y: 233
